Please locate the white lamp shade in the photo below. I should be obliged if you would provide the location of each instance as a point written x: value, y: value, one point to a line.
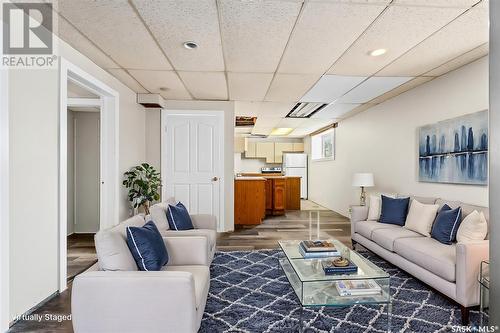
x: 362, y: 179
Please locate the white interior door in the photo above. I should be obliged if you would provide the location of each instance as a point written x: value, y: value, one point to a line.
x: 192, y: 160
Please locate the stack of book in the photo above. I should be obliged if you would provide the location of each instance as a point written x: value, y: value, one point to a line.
x: 331, y: 269
x: 358, y: 287
x: 318, y: 249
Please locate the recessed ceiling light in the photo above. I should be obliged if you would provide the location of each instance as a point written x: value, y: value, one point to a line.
x: 281, y: 131
x: 377, y: 52
x: 190, y: 45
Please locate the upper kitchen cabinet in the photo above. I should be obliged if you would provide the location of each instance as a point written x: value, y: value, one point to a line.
x: 265, y: 150
x: 298, y: 147
x: 280, y: 148
x: 250, y: 149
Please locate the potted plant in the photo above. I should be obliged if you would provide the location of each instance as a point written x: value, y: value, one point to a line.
x: 143, y: 184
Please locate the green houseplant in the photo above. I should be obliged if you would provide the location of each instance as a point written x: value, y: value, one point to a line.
x: 143, y: 184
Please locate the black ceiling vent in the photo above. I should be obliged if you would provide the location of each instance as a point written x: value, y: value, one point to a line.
x: 305, y: 110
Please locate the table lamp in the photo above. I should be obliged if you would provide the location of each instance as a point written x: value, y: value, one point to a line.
x: 362, y: 180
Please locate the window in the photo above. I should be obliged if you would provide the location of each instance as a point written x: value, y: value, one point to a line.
x: 323, y: 145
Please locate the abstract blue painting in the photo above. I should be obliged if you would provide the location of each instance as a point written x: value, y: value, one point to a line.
x: 455, y: 150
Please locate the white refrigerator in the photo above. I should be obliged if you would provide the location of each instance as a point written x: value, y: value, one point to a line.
x: 295, y: 164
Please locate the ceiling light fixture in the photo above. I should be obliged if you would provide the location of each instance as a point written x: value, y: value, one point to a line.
x: 281, y: 131
x: 377, y: 52
x: 190, y: 45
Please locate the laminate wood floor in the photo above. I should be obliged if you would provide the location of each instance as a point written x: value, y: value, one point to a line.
x: 312, y: 222
x: 81, y: 254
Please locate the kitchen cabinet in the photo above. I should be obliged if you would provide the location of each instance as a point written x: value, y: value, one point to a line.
x: 249, y: 200
x: 275, y: 196
x: 298, y: 147
x: 250, y: 149
x: 265, y: 150
x: 239, y: 144
x: 293, y: 193
x: 280, y: 148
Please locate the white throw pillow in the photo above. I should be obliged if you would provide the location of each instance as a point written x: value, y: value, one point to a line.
x: 375, y: 205
x: 473, y: 228
x: 420, y: 217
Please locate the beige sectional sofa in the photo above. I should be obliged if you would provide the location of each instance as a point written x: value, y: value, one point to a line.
x: 123, y: 299
x: 452, y: 270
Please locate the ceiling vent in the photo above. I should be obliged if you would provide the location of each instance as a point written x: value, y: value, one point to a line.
x: 305, y: 110
x: 151, y: 101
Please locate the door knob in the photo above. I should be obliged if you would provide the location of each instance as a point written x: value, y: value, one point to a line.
x: 215, y: 179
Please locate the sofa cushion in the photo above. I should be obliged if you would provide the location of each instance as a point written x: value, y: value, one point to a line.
x: 446, y: 225
x: 211, y: 235
x: 424, y: 200
x: 375, y: 205
x: 201, y: 277
x: 178, y: 217
x: 112, y: 251
x: 386, y: 238
x: 394, y: 211
x: 472, y: 228
x: 430, y: 254
x: 158, y: 214
x: 420, y: 217
x: 134, y: 221
x: 467, y: 209
x: 365, y: 228
x: 147, y: 247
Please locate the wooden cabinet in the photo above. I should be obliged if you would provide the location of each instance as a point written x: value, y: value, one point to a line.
x: 239, y: 144
x: 250, y: 149
x: 298, y: 147
x: 249, y: 201
x: 265, y: 150
x: 275, y: 196
x: 269, y: 196
x: 293, y: 193
x: 280, y: 148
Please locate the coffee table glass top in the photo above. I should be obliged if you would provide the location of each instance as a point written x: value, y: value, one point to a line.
x: 309, y: 270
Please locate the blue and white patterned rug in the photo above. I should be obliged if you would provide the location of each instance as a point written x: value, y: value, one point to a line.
x: 250, y: 293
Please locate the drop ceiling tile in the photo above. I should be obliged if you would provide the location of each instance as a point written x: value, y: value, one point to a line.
x: 371, y: 88
x: 323, y: 32
x: 205, y: 85
x: 460, y: 61
x: 175, y: 22
x: 397, y: 30
x: 127, y: 79
x: 275, y: 109
x: 262, y: 130
x: 437, y: 3
x: 83, y: 45
x: 249, y: 109
x: 153, y: 80
x: 290, y: 122
x: 401, y: 89
x: 290, y: 87
x: 267, y: 122
x: 460, y: 36
x: 248, y: 86
x: 331, y: 87
x: 255, y: 33
x: 116, y: 28
x: 335, y: 110
x: 299, y: 132
x: 362, y: 2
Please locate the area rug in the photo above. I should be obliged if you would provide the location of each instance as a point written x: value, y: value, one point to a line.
x: 250, y: 293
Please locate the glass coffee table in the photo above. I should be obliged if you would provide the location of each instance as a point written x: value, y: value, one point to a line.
x: 316, y: 289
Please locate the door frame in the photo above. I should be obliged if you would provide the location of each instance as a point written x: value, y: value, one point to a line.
x: 4, y: 201
x: 220, y: 117
x: 109, y: 145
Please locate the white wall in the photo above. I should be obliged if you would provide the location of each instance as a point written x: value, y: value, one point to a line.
x: 242, y: 164
x: 33, y: 110
x: 383, y: 140
x: 153, y: 139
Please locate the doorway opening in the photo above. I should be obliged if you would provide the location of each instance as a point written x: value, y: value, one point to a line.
x: 83, y: 139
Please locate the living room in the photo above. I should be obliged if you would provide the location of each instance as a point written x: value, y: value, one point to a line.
x: 264, y: 166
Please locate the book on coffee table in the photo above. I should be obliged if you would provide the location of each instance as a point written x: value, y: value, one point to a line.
x: 318, y: 246
x: 330, y: 268
x: 317, y: 254
x: 357, y: 287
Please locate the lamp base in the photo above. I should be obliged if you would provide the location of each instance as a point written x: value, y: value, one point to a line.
x: 362, y: 198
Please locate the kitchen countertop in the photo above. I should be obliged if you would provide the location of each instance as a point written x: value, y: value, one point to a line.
x: 263, y: 177
x: 249, y: 178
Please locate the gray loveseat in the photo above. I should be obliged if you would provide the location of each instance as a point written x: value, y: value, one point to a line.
x: 453, y: 269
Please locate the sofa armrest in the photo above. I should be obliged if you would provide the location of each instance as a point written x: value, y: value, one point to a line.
x: 187, y: 250
x: 469, y: 257
x: 358, y: 213
x: 204, y: 221
x: 133, y: 301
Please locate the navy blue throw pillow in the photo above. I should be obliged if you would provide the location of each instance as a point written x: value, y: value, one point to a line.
x: 446, y: 225
x: 147, y: 247
x: 394, y: 211
x: 178, y: 217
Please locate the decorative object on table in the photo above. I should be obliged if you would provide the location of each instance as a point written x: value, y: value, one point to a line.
x: 318, y: 249
x: 455, y: 150
x: 178, y: 217
x: 357, y: 287
x: 363, y: 180
x: 143, y: 184
x: 394, y: 210
x: 338, y: 266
